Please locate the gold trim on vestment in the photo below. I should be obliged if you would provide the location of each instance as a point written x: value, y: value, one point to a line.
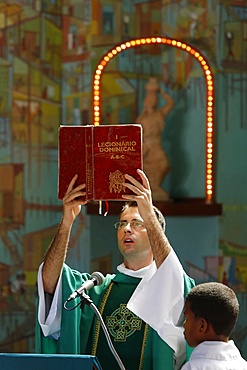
x: 144, y: 342
x: 97, y: 329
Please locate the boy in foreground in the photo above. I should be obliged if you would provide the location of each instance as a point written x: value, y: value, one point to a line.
x: 211, y: 312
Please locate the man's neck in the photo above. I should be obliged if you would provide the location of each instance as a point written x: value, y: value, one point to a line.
x: 138, y: 273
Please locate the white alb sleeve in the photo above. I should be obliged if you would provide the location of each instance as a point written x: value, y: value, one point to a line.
x: 159, y: 301
x: 51, y: 324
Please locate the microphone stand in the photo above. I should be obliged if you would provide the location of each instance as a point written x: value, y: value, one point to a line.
x: 85, y: 299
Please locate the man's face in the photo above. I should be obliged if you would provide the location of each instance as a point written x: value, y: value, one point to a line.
x: 133, y: 241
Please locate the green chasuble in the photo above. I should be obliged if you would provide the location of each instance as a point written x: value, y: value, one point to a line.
x: 138, y: 345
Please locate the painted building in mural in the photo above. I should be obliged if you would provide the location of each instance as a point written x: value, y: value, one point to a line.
x: 48, y: 54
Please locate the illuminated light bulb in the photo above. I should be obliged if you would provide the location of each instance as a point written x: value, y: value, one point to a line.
x: 184, y: 46
x: 114, y: 52
x: 98, y: 72
x: 118, y: 48
x: 192, y: 51
x: 133, y: 43
x: 158, y: 39
x: 197, y: 54
x: 148, y: 41
x: 143, y: 41
x: 164, y: 40
x: 97, y: 77
x: 106, y: 59
x: 138, y: 42
x: 174, y: 42
x: 153, y: 39
x: 188, y: 48
x: 96, y: 108
x: 100, y: 66
x: 128, y: 44
x: 203, y: 62
x: 123, y: 46
x: 110, y: 55
x: 179, y: 44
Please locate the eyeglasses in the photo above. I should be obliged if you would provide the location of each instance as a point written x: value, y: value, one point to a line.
x: 135, y: 224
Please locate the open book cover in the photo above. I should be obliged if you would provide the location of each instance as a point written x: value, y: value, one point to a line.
x: 101, y: 156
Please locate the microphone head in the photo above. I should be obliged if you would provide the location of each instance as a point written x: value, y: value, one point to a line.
x: 99, y: 277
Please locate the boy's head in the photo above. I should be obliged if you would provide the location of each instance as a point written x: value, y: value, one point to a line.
x: 211, y: 312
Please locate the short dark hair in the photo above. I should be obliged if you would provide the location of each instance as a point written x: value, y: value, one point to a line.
x: 216, y: 303
x: 157, y: 212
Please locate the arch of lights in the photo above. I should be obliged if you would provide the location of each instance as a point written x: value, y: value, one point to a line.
x: 209, y: 183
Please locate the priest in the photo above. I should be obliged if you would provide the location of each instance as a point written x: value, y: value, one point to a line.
x: 141, y: 305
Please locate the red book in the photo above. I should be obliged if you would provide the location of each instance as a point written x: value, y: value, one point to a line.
x: 100, y: 155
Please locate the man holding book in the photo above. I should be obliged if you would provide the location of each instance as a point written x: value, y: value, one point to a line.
x: 147, y: 292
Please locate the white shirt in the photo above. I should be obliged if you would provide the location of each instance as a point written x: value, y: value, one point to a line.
x: 216, y: 355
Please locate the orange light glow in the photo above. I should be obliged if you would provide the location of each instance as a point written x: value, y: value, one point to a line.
x: 209, y: 180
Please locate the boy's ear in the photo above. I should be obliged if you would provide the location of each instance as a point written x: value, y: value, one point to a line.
x: 203, y: 325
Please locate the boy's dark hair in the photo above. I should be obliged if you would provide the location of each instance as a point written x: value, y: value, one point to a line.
x: 216, y: 303
x: 158, y: 214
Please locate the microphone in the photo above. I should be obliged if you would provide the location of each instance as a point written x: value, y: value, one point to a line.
x: 97, y: 278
